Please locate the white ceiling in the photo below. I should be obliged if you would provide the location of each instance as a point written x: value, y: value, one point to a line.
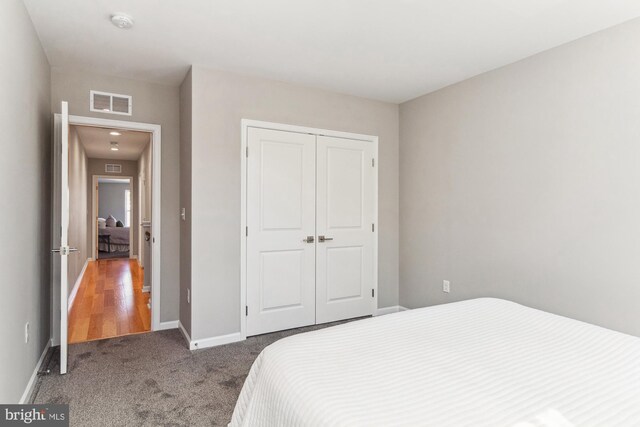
x: 97, y: 143
x: 392, y: 50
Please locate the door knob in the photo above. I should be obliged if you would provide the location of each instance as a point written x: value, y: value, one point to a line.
x: 64, y: 250
x: 324, y: 239
x: 309, y: 239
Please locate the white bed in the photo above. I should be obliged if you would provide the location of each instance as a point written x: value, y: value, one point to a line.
x: 482, y: 362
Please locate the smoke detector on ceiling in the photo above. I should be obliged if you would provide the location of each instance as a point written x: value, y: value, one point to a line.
x: 122, y: 21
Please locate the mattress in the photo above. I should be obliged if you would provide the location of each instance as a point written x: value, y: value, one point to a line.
x: 118, y: 239
x: 481, y: 362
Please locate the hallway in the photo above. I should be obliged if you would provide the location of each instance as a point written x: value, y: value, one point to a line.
x: 110, y: 302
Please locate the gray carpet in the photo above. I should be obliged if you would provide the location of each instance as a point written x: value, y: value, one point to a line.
x: 152, y: 380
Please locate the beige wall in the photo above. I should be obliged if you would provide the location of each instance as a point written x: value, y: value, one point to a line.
x: 129, y: 169
x: 25, y: 257
x: 79, y: 208
x: 523, y: 183
x: 144, y: 172
x: 152, y: 103
x: 220, y: 101
x: 185, y: 200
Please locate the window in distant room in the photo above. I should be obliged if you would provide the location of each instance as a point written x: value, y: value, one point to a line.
x: 127, y: 208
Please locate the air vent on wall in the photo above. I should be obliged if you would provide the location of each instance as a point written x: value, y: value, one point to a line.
x: 110, y: 103
x: 112, y: 168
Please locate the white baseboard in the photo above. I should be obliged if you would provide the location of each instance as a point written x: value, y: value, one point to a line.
x: 209, y: 342
x: 74, y: 291
x: 388, y: 310
x: 215, y: 341
x: 133, y: 257
x: 147, y: 289
x: 34, y: 376
x: 171, y: 324
x: 185, y: 334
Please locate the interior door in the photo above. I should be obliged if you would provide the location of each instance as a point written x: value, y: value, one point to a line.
x: 61, y: 248
x: 281, y: 230
x: 345, y: 215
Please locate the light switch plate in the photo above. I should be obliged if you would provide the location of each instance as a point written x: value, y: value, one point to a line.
x: 446, y: 286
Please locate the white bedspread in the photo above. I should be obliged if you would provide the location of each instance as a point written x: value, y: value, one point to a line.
x: 482, y: 362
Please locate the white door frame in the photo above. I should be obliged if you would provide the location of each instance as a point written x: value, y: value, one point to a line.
x: 244, y: 132
x: 94, y: 214
x: 156, y: 180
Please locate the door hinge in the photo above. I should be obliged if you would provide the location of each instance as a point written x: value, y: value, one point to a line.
x: 373, y: 293
x: 246, y: 231
x: 247, y: 152
x: 373, y: 228
x: 373, y: 163
x: 246, y: 310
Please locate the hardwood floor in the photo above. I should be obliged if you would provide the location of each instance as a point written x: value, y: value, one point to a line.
x: 109, y: 302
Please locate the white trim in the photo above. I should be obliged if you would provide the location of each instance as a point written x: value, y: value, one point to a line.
x: 74, y: 291
x: 215, y: 341
x: 146, y: 289
x: 243, y: 226
x: 156, y: 197
x: 185, y: 334
x: 245, y: 124
x: 388, y: 310
x: 209, y: 342
x: 34, y: 376
x: 94, y: 213
x: 171, y: 324
x: 376, y: 231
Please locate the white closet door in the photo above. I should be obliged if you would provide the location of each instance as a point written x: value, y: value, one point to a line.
x: 280, y: 216
x: 345, y: 213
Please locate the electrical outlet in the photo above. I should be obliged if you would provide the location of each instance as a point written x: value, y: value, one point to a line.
x: 26, y: 333
x: 188, y: 296
x: 446, y: 286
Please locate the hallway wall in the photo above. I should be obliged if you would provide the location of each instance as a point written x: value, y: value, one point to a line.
x: 79, y: 232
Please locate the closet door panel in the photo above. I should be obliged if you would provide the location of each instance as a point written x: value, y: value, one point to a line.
x: 345, y: 212
x: 280, y: 216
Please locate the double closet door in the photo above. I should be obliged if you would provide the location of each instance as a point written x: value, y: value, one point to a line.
x: 310, y: 236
